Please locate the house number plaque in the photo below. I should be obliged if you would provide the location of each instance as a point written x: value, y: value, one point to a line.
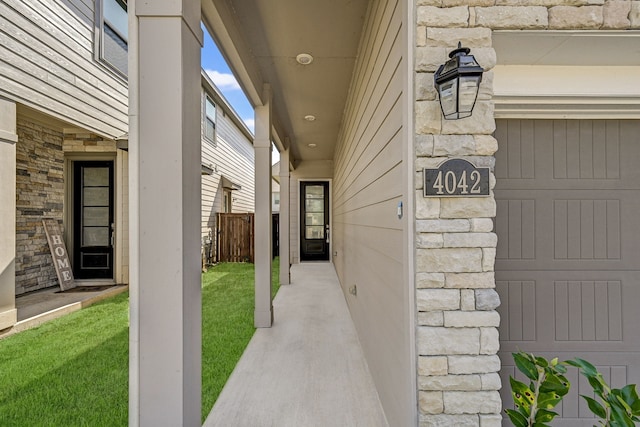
x: 456, y: 178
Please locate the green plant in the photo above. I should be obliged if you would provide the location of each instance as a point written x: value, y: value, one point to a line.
x: 617, y: 407
x: 534, y: 402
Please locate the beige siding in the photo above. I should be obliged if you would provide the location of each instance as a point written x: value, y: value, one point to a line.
x: 121, y: 271
x: 368, y: 185
x: 232, y: 156
x: 47, y: 62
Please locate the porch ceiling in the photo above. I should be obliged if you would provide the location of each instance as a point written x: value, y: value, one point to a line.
x: 261, y: 39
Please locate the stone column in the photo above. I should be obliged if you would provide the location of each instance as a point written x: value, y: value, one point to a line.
x: 164, y: 175
x: 285, y: 213
x: 457, y: 336
x: 263, y: 315
x: 8, y: 140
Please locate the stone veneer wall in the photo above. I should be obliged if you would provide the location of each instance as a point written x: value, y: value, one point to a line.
x: 40, y: 194
x: 78, y: 140
x: 457, y: 335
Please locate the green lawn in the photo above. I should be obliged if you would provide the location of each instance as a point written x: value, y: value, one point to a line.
x: 73, y: 371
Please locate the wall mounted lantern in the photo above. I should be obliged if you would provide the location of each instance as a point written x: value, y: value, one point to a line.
x: 457, y: 82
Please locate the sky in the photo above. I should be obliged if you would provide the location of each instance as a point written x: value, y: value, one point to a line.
x: 214, y: 64
x: 216, y: 67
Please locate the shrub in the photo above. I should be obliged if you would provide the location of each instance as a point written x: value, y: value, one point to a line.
x: 534, y: 402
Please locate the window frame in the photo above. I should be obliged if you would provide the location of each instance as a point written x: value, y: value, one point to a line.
x: 206, y: 118
x: 99, y: 37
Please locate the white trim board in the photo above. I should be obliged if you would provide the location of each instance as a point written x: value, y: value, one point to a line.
x: 576, y: 92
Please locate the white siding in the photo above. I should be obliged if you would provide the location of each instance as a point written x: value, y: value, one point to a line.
x: 47, y: 62
x: 232, y: 156
x: 369, y: 183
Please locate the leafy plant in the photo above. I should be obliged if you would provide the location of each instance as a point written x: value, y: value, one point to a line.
x: 617, y: 407
x: 534, y: 402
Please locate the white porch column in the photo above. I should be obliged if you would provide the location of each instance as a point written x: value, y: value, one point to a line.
x: 8, y: 140
x: 285, y: 263
x: 165, y: 298
x: 263, y: 315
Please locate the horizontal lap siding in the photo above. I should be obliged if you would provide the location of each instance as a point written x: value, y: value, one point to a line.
x: 232, y: 157
x: 47, y: 62
x: 368, y: 184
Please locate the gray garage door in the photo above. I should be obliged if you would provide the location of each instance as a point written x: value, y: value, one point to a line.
x: 568, y: 257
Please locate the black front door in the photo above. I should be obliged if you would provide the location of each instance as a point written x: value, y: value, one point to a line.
x: 314, y: 221
x: 93, y: 220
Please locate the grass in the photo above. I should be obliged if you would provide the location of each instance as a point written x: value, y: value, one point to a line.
x: 227, y: 313
x: 73, y: 371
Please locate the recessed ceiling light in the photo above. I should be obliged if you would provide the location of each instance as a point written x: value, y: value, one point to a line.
x: 304, y: 59
x: 312, y: 145
x: 310, y: 118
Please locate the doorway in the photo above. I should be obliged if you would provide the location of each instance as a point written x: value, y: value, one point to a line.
x: 93, y: 219
x: 314, y: 221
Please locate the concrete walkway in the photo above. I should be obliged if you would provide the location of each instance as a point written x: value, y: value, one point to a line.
x: 308, y: 369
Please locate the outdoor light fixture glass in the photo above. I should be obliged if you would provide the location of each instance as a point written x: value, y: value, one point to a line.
x: 457, y: 82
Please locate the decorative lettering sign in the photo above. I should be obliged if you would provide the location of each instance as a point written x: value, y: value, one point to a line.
x: 59, y: 254
x: 456, y: 178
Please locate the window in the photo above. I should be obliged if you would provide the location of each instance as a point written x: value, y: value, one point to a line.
x: 112, y: 34
x: 209, y: 120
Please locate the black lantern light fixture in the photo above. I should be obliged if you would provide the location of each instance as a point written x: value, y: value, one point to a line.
x: 457, y: 82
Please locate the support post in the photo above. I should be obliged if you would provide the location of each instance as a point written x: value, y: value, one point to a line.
x: 285, y: 213
x: 8, y: 140
x: 165, y: 284
x: 263, y: 315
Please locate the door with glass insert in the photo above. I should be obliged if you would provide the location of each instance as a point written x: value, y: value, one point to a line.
x: 93, y: 220
x: 314, y: 221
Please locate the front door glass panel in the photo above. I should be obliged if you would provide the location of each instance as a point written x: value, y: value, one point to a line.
x: 314, y: 220
x: 93, y: 219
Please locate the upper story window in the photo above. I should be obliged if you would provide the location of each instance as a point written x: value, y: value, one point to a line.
x: 112, y: 34
x: 209, y: 120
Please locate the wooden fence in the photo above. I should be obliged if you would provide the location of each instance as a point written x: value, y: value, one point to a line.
x: 235, y: 237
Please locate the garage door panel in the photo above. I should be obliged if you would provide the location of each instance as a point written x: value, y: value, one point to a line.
x: 569, y: 310
x: 518, y: 310
x: 568, y: 255
x: 591, y: 154
x: 567, y: 229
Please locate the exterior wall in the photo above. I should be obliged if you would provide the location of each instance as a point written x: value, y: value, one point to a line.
x: 48, y: 67
x: 40, y: 194
x: 369, y: 183
x: 122, y: 217
x: 8, y: 140
x: 309, y: 170
x: 44, y: 150
x: 231, y: 156
x: 275, y: 196
x: 47, y: 63
x: 457, y: 339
